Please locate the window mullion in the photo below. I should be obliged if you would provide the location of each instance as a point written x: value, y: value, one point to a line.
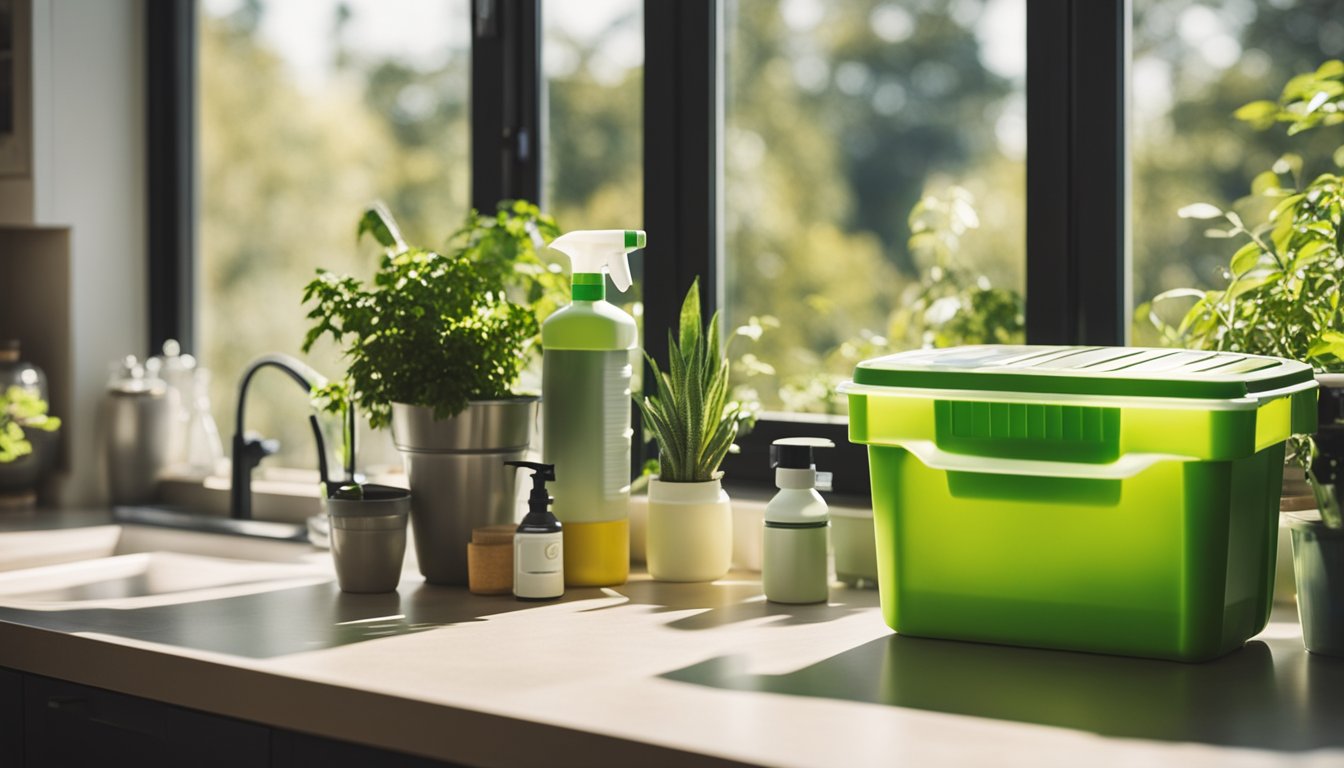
x: 1077, y: 172
x: 505, y: 102
x: 682, y: 121
x: 170, y: 117
x: 682, y: 167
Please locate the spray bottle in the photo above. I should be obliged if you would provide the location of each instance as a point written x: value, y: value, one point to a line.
x: 586, y: 415
x: 538, y: 544
x: 794, y: 568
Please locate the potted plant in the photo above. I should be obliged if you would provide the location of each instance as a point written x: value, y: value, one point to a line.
x: 435, y: 345
x: 367, y: 530
x: 23, y: 418
x: 694, y: 422
x: 1283, y: 298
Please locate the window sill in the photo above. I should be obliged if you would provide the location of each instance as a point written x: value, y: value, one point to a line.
x: 748, y: 522
x: 278, y: 494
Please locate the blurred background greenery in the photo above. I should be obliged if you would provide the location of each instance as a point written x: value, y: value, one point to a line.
x: 841, y: 119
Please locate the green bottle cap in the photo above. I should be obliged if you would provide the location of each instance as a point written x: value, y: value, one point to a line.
x: 588, y: 286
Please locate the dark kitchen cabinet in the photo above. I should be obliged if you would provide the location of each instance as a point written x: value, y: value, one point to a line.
x: 11, y: 718
x: 67, y: 724
x: 297, y: 750
x: 48, y: 723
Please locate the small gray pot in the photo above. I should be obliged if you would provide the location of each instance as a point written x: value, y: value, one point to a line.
x: 1318, y: 563
x: 368, y: 538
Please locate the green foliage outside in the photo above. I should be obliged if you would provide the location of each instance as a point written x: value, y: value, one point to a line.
x: 20, y: 409
x: 827, y: 178
x: 691, y: 414
x: 949, y: 305
x: 284, y: 164
x: 432, y: 329
x: 1184, y: 146
x: 1284, y: 280
x: 952, y: 304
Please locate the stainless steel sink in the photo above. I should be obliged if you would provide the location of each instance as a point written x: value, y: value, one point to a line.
x: 30, y: 549
x: 118, y: 566
x: 141, y: 579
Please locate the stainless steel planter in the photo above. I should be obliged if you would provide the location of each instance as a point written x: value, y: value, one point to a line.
x: 1318, y: 561
x: 368, y: 538
x: 457, y: 475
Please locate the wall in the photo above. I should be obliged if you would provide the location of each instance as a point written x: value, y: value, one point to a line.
x: 89, y: 174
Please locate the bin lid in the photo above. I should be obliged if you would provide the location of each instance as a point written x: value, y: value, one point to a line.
x: 1111, y: 371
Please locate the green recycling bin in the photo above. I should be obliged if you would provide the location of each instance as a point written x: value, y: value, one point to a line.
x: 1104, y: 499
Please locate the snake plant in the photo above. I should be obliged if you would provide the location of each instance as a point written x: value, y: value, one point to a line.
x: 691, y: 416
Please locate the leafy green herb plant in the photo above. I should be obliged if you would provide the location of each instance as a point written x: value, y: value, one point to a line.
x: 435, y: 329
x: 508, y: 247
x: 691, y: 416
x: 21, y: 409
x: 1284, y: 281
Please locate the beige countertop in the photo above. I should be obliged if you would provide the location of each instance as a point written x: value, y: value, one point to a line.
x: 652, y: 673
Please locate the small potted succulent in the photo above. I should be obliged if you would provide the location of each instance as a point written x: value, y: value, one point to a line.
x: 435, y: 344
x: 694, y: 422
x: 1283, y: 298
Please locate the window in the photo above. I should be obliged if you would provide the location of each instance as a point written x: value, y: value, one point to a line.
x: 592, y: 60
x: 1194, y: 64
x: 840, y: 119
x: 308, y: 111
x: 774, y: 148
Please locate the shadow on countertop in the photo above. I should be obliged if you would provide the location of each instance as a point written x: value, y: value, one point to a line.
x: 284, y: 621
x: 730, y: 601
x: 277, y: 622
x: 1285, y: 700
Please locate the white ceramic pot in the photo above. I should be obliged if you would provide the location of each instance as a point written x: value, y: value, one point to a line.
x: 690, y: 531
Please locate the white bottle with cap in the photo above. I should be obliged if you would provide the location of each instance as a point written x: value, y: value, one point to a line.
x: 538, y: 544
x: 795, y: 566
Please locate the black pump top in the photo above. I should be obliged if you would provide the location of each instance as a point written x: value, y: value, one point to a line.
x: 796, y: 452
x: 539, y: 518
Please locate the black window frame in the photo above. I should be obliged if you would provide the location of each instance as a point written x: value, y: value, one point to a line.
x: 1077, y: 233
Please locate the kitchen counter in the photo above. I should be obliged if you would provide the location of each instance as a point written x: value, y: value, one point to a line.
x: 652, y: 673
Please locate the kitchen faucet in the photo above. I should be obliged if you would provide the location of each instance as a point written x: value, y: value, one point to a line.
x: 248, y: 453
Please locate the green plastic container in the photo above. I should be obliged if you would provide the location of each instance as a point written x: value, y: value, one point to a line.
x: 1104, y: 499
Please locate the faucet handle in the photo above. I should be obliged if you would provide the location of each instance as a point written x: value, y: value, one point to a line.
x: 256, y: 448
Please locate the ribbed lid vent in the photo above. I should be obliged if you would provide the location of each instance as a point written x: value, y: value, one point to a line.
x: 1114, y: 371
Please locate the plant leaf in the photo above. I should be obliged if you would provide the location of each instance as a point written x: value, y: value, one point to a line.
x: 1258, y: 112
x: 1319, y: 98
x: 1289, y: 162
x: 1251, y: 283
x: 1265, y: 181
x: 690, y: 319
x: 1245, y: 259
x: 1200, y: 211
x: 377, y: 222
x: 1309, y: 253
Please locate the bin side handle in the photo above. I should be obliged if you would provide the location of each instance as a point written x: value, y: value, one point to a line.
x: 1126, y: 466
x: 1261, y: 398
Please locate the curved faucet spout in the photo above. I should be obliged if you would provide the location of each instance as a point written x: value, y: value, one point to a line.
x: 247, y: 454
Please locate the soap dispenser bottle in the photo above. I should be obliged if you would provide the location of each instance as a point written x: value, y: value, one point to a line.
x: 538, y: 544
x: 794, y: 567
x: 585, y: 391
